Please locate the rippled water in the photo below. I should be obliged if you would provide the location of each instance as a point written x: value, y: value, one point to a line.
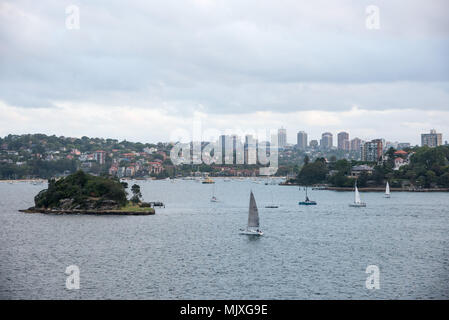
x: 192, y: 248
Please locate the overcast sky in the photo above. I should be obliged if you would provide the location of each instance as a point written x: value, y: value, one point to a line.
x: 141, y: 70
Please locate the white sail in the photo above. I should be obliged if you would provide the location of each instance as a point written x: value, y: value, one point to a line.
x: 253, y: 215
x: 387, y: 189
x: 357, y: 196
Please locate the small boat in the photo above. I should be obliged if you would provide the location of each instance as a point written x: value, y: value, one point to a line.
x: 357, y: 202
x: 157, y: 204
x: 208, y: 181
x: 272, y: 205
x: 387, y: 190
x: 253, y: 219
x: 214, y: 198
x: 307, y: 201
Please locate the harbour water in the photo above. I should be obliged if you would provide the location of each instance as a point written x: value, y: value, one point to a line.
x: 191, y: 249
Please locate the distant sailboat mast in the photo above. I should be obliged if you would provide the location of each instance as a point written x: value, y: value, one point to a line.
x: 387, y: 190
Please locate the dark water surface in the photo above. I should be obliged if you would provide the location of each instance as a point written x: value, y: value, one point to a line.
x: 192, y: 248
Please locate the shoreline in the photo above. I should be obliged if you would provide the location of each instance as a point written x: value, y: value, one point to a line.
x: 369, y: 189
x: 24, y: 180
x: 90, y: 212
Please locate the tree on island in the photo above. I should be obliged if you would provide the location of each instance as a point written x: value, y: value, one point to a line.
x: 137, y: 195
x: 81, y: 190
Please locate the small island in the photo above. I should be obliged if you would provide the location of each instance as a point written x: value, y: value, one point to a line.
x: 82, y: 193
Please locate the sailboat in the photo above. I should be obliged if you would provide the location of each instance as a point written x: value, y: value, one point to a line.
x: 387, y: 190
x: 272, y: 205
x: 253, y: 219
x: 214, y: 198
x: 357, y: 202
x: 307, y: 202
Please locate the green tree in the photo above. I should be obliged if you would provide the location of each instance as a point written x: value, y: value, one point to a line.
x: 313, y: 173
x: 137, y: 195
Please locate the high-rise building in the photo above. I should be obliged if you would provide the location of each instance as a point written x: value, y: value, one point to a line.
x: 343, y: 141
x: 326, y: 142
x: 356, y: 143
x: 432, y: 139
x: 237, y: 150
x: 282, y: 138
x: 250, y: 149
x: 302, y: 140
x: 226, y: 143
x: 372, y: 151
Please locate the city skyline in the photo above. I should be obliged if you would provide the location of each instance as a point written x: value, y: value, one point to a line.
x: 141, y: 72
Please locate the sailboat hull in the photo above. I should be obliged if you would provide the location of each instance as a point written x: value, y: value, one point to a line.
x: 358, y: 205
x: 307, y: 203
x: 250, y: 232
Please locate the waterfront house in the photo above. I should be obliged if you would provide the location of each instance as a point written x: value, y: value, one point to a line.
x: 357, y: 170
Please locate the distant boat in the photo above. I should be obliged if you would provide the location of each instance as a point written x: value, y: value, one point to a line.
x: 214, y: 198
x: 357, y: 202
x: 387, y: 190
x: 253, y: 219
x: 272, y: 205
x: 307, y: 201
x: 208, y: 181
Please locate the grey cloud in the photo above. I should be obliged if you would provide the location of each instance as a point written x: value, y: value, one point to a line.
x: 227, y: 56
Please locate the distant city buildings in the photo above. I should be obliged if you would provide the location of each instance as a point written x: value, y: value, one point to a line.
x: 356, y: 144
x: 432, y: 139
x: 282, y: 138
x: 314, y: 144
x: 326, y: 142
x: 372, y: 151
x: 250, y: 148
x: 100, y: 156
x: 301, y: 142
x: 343, y: 141
x: 403, y: 145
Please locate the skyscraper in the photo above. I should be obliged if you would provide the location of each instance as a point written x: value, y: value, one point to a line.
x: 356, y: 144
x: 343, y: 141
x: 432, y: 139
x: 326, y: 142
x: 282, y: 138
x: 250, y: 149
x: 302, y: 140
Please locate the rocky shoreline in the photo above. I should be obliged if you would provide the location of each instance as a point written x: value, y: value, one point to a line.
x: 150, y: 211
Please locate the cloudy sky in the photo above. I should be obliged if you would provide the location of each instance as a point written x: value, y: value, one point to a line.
x: 143, y: 70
